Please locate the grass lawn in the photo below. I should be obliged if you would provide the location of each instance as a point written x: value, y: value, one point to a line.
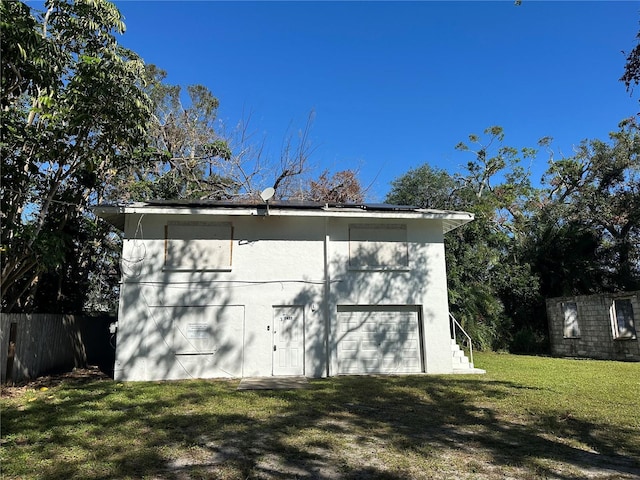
x: 527, y: 418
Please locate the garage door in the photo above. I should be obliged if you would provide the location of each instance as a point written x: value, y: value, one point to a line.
x: 378, y: 340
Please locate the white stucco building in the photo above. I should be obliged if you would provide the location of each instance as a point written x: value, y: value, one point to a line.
x: 228, y: 290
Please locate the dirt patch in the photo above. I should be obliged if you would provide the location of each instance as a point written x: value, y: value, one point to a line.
x: 76, y: 376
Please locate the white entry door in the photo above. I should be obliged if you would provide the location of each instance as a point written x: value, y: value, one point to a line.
x: 288, y: 341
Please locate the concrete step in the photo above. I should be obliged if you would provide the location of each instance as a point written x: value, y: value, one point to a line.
x: 458, y: 353
x: 469, y: 371
x: 460, y: 361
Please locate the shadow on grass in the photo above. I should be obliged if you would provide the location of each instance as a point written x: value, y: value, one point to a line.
x: 345, y: 427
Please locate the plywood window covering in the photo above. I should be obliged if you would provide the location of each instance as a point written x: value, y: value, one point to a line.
x: 209, y: 329
x: 198, y: 246
x: 570, y: 313
x: 623, y: 320
x: 378, y: 246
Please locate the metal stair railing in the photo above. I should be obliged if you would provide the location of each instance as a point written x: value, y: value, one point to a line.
x: 454, y: 324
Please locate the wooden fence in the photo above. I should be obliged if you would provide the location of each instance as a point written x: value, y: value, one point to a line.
x: 32, y: 345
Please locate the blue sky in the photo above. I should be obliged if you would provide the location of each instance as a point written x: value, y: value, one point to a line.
x: 395, y: 85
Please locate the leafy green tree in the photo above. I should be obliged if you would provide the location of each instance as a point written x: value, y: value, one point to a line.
x: 591, y: 208
x: 565, y: 258
x: 26, y: 65
x: 496, y: 187
x: 631, y: 76
x: 490, y: 289
x: 425, y: 187
x: 86, y: 278
x: 195, y: 157
x: 188, y: 155
x: 74, y: 113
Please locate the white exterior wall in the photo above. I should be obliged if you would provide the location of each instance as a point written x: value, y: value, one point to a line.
x: 423, y: 285
x: 276, y: 261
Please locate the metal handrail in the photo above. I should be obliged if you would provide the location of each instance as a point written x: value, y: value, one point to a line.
x: 455, y: 323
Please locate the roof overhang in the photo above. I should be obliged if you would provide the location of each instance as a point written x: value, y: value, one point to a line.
x: 115, y: 214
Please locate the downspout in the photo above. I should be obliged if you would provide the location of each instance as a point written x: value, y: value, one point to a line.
x: 327, y: 293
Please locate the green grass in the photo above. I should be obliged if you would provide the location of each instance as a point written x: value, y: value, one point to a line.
x: 528, y: 417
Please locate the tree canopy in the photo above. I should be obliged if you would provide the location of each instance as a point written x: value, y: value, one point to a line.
x: 575, y: 234
x: 84, y: 121
x: 73, y: 112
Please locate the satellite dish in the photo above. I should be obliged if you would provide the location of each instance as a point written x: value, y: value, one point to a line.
x: 267, y: 194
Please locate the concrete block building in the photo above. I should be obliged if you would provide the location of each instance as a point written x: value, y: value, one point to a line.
x: 599, y: 326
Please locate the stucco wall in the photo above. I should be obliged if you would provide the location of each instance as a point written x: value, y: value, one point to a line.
x: 277, y: 261
x: 422, y: 284
x: 596, y: 338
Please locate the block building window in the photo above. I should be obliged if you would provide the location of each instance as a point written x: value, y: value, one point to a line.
x: 570, y: 314
x: 198, y: 246
x: 622, y: 319
x: 378, y: 246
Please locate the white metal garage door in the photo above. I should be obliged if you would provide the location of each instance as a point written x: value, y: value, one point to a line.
x: 378, y: 340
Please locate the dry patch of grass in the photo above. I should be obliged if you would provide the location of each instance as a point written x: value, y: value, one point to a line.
x: 529, y: 417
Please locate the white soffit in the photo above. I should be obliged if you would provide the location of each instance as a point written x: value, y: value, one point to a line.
x: 111, y: 214
x: 450, y: 219
x: 449, y: 224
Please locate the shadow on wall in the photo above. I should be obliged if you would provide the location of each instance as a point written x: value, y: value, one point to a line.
x: 391, y: 299
x: 186, y: 321
x: 197, y: 316
x: 175, y: 318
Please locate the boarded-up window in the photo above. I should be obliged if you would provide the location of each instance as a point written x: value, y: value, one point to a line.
x: 623, y: 321
x: 198, y: 246
x: 378, y: 246
x: 570, y: 313
x: 205, y: 329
